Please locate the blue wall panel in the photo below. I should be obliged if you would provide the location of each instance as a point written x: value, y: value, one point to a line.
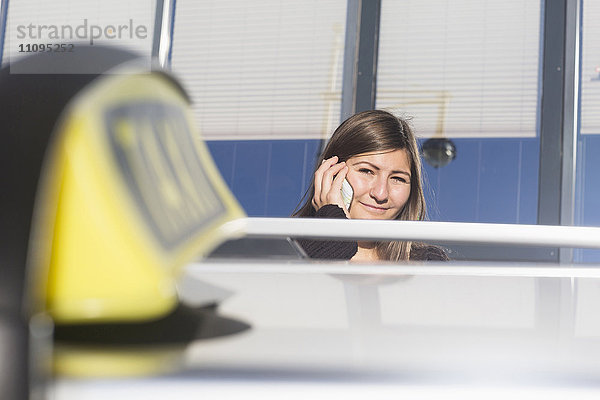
x: 491, y: 180
x: 587, y: 208
x: 250, y: 174
x: 528, y: 189
x: 451, y: 191
x: 499, y: 173
x: 590, y: 187
x: 312, y: 152
x: 286, y: 177
x: 223, y: 153
x: 268, y: 177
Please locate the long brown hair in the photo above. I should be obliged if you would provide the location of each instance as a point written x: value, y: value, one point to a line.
x: 368, y: 132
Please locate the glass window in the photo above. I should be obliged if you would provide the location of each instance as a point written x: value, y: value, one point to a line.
x: 587, y: 193
x: 261, y: 70
x: 590, y: 69
x: 468, y: 71
x: 461, y: 68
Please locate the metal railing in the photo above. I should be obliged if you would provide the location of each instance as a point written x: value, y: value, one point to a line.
x: 429, y: 231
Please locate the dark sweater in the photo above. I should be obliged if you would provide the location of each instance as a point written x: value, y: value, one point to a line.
x: 343, y: 250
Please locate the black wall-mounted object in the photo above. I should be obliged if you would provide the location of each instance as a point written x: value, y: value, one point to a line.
x: 438, y: 152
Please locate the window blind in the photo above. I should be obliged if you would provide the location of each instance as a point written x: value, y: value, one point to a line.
x: 461, y: 68
x: 269, y: 69
x: 590, y: 68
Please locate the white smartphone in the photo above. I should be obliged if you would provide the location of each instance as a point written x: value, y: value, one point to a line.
x: 347, y: 193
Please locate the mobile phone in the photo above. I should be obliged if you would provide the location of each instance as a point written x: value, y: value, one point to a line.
x: 347, y: 193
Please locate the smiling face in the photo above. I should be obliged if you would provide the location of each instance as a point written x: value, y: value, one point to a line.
x: 381, y: 183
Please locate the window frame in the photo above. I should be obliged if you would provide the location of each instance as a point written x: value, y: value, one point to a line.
x: 558, y: 104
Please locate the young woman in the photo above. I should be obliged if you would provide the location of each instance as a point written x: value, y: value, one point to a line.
x: 376, y: 152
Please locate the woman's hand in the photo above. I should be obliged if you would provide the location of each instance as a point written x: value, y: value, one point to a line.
x: 328, y: 184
